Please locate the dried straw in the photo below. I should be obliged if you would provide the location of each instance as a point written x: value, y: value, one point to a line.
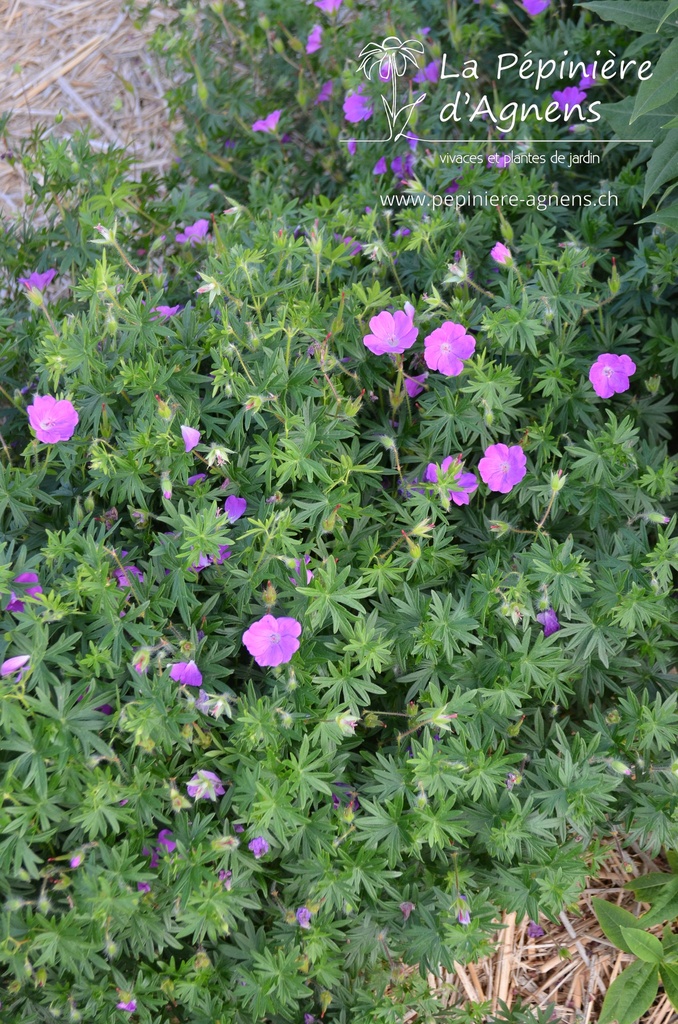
x: 85, y: 60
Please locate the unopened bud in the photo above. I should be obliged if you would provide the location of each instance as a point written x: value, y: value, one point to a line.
x: 264, y: 22
x: 413, y: 548
x: 269, y: 595
x: 330, y: 522
x: 499, y: 527
x: 558, y: 481
x: 201, y: 961
x: 89, y: 503
x: 164, y: 410
x: 254, y: 403
x: 613, y: 717
x: 614, y: 281
x: 107, y: 235
x: 620, y: 768
x: 35, y: 296
x: 166, y: 485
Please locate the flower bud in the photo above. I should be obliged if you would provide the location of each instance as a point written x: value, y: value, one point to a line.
x: 264, y: 22
x: 107, y: 235
x: 166, y: 485
x: 254, y: 403
x: 620, y: 768
x: 89, y: 503
x: 614, y: 281
x: 613, y: 717
x: 558, y: 481
x: 499, y: 527
x: 201, y: 961
x: 413, y: 548
x: 164, y: 411
x: 329, y: 523
x: 269, y: 595
x: 139, y: 518
x: 35, y: 296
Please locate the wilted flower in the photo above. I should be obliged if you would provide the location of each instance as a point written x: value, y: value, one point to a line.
x: 463, y: 913
x: 446, y: 347
x: 391, y: 333
x: 191, y: 437
x: 52, y: 420
x: 187, y: 673
x: 166, y: 485
x: 205, y: 784
x: 268, y: 123
x: 549, y: 621
x: 610, y: 374
x: 534, y: 930
x: 357, y: 106
x: 194, y: 232
x: 272, y: 641
x: 258, y: 846
x: 315, y: 39
x: 226, y: 876
x: 407, y: 908
x: 141, y: 660
x: 502, y: 467
x: 303, y: 916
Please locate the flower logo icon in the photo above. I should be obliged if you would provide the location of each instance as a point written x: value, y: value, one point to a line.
x: 392, y: 58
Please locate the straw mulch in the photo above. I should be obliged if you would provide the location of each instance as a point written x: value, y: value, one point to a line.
x: 86, y: 60
x: 570, y: 967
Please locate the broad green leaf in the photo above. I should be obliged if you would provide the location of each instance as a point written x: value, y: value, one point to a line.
x: 613, y: 919
x: 631, y: 994
x: 670, y: 943
x: 672, y: 9
x: 664, y: 907
x: 669, y: 976
x: 663, y: 165
x: 661, y: 87
x: 618, y: 115
x: 645, y: 946
x: 640, y: 15
x: 648, y: 886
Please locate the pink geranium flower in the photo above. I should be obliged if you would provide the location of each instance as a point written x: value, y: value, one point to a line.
x: 52, y: 420
x: 272, y: 641
x: 205, y: 785
x: 446, y: 347
x: 186, y: 672
x: 501, y: 254
x: 467, y: 482
x: 128, y: 1005
x: 36, y: 280
x: 194, y: 232
x: 315, y: 39
x: 569, y: 98
x: 610, y: 374
x: 165, y: 311
x: 268, y: 123
x: 391, y: 333
x: 328, y: 6
x: 15, y: 603
x: 502, y: 467
x: 357, y: 107
x: 191, y: 437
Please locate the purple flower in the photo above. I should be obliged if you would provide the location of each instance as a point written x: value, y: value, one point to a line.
x: 225, y: 877
x: 76, y: 860
x: 499, y: 160
x: 587, y: 81
x: 430, y: 73
x: 501, y: 254
x: 549, y: 621
x: 315, y: 39
x: 272, y: 641
x: 52, y: 420
x: 357, y: 107
x: 205, y: 784
x: 463, y: 913
x: 193, y: 232
x: 326, y: 90
x: 414, y: 385
x: 224, y: 553
x: 466, y: 481
x: 502, y: 467
x: 303, y: 916
x: 535, y: 7
x: 351, y: 146
x: 356, y: 247
x: 107, y: 709
x: 129, y: 1006
x: 234, y: 507
x: 328, y: 6
x: 610, y: 374
x: 511, y: 780
x: 154, y: 854
x: 446, y: 347
x: 186, y: 672
x: 165, y: 311
x: 18, y: 664
x: 296, y: 579
x: 15, y: 603
x: 407, y: 908
x: 258, y: 846
x: 568, y: 98
x: 309, y: 1018
x: 191, y: 437
x: 401, y: 233
x: 204, y: 562
x: 36, y: 280
x: 392, y: 333
x: 165, y: 839
x: 143, y: 887
x: 268, y: 123
x: 196, y: 479
x: 381, y: 166
x: 141, y: 660
x: 402, y: 166
x: 534, y: 930
x: 123, y: 576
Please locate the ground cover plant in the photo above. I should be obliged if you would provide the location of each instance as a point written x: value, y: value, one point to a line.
x: 338, y: 549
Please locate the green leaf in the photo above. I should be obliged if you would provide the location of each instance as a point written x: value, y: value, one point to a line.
x: 613, y: 919
x: 661, y: 87
x: 644, y: 945
x: 669, y: 974
x: 631, y: 994
x: 648, y: 126
x: 672, y: 9
x: 640, y: 15
x: 664, y: 906
x: 648, y: 886
x: 670, y: 943
x: 663, y: 166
